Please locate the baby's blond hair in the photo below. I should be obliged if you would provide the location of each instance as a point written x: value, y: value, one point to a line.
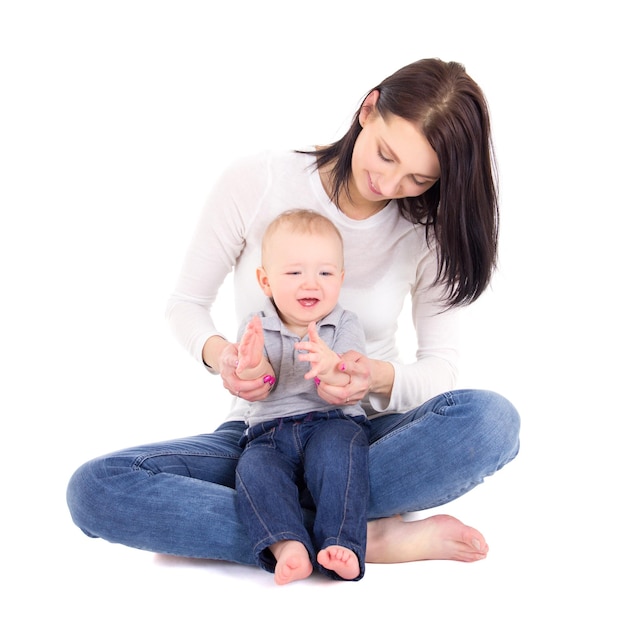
x: 301, y: 221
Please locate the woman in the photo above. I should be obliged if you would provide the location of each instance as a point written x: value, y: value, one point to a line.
x: 411, y: 188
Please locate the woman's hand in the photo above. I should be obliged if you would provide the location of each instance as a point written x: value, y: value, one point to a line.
x: 251, y: 390
x: 358, y: 368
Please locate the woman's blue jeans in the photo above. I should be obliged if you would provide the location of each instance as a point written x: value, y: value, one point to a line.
x: 178, y: 497
x: 318, y: 458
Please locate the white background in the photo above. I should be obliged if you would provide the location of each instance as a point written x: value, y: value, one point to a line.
x: 116, y: 117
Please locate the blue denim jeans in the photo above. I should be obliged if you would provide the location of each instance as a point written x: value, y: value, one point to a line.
x: 319, y: 457
x: 178, y: 497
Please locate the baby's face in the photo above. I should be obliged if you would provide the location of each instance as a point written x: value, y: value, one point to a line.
x: 303, y: 273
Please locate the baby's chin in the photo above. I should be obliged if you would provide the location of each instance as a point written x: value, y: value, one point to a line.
x: 304, y: 318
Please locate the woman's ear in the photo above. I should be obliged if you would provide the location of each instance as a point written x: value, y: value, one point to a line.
x: 368, y: 108
x: 261, y: 276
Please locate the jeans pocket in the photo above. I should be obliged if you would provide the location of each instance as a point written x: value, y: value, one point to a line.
x: 262, y: 437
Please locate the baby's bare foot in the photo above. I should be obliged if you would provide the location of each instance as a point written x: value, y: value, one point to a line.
x: 340, y: 560
x: 440, y: 537
x: 292, y: 562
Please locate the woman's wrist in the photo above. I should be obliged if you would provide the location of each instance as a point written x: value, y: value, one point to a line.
x: 382, y: 374
x: 212, y: 350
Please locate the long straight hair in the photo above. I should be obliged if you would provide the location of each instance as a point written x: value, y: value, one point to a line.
x: 461, y: 208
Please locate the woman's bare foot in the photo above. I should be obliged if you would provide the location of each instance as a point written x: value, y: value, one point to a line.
x: 292, y: 562
x: 440, y: 537
x: 340, y: 560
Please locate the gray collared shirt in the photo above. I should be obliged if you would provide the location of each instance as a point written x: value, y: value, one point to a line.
x: 292, y: 393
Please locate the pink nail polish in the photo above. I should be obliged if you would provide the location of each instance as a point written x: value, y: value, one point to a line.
x: 343, y: 367
x: 317, y: 380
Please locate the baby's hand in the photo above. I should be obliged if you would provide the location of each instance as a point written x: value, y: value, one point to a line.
x: 253, y: 388
x: 323, y: 360
x: 250, y: 349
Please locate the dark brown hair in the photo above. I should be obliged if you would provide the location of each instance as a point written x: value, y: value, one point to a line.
x: 461, y: 209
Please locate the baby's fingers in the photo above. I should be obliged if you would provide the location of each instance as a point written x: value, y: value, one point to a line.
x: 313, y: 336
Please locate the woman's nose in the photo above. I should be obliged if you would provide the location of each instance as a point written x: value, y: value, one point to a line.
x: 389, y: 185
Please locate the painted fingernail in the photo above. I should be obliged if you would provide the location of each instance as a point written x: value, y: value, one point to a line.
x: 270, y: 380
x: 317, y: 380
x: 343, y: 367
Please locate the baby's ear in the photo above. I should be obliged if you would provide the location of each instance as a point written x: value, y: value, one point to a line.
x: 264, y: 282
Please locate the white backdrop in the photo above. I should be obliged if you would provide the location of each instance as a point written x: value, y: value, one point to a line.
x: 115, y: 118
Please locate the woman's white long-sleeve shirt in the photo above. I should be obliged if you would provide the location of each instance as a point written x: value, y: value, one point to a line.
x: 386, y: 258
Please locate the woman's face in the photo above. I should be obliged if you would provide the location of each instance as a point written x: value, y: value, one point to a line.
x: 391, y: 158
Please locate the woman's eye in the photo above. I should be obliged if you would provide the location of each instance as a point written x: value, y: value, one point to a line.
x: 384, y: 158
